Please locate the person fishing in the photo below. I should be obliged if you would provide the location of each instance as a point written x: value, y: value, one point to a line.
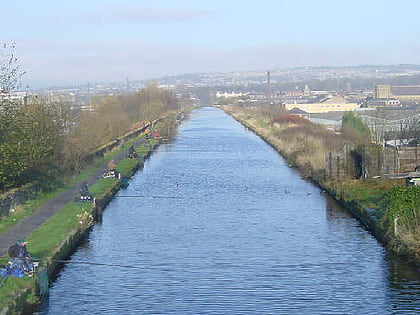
x: 84, y: 190
x: 132, y: 152
x: 20, y: 257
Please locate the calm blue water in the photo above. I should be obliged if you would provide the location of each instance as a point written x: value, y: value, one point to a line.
x: 217, y: 223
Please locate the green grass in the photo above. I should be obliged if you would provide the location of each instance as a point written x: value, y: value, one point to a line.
x: 27, y: 208
x: 45, y: 240
x: 126, y: 166
x: 99, y: 162
x: 144, y: 149
x: 103, y: 186
x: 370, y: 192
x: 12, y: 287
x: 30, y: 206
x: 49, y: 237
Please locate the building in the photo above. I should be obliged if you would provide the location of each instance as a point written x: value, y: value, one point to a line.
x: 398, y: 92
x: 229, y: 94
x: 326, y: 105
x: 382, y: 102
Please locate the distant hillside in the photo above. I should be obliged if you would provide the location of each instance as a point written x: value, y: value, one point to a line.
x: 353, y: 78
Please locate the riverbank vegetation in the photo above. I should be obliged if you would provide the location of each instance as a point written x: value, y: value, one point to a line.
x: 47, y: 141
x: 56, y: 235
x: 53, y: 144
x: 300, y: 141
x: 306, y: 146
x: 125, y: 168
x: 401, y: 218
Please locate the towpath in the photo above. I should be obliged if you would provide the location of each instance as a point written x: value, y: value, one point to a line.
x: 30, y: 223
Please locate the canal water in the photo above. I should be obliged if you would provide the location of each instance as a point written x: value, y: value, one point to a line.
x: 217, y: 223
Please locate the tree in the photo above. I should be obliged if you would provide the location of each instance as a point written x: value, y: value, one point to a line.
x: 44, y: 134
x: 12, y: 167
x: 357, y: 132
x: 12, y: 148
x: 41, y: 140
x: 10, y: 73
x: 354, y: 129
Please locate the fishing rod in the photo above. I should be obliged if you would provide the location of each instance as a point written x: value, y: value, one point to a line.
x: 88, y: 263
x: 78, y: 262
x: 154, y: 197
x: 206, y: 151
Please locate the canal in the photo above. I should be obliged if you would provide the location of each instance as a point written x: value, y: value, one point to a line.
x: 217, y: 223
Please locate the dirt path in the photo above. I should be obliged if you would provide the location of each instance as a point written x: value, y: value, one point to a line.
x: 29, y: 224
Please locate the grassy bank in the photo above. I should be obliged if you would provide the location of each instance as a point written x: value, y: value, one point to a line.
x: 27, y: 208
x: 58, y: 237
x: 304, y: 145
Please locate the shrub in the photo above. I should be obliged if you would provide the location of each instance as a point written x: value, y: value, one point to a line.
x: 291, y: 119
x: 402, y: 212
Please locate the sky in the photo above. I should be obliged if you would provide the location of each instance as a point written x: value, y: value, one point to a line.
x: 80, y: 41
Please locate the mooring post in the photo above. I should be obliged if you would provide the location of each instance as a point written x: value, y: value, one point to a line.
x: 396, y: 226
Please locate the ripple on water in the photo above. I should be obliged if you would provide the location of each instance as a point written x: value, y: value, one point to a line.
x: 216, y: 223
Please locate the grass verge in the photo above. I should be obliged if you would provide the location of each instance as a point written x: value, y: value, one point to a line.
x: 30, y: 206
x: 370, y: 192
x: 45, y: 242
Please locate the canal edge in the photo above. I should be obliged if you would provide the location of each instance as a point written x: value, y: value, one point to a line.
x: 21, y: 303
x: 354, y: 207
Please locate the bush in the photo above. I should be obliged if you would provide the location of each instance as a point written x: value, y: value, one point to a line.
x: 402, y: 212
x: 291, y: 119
x: 354, y: 129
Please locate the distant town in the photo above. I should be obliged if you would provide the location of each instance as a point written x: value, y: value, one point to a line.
x: 289, y: 85
x: 320, y: 94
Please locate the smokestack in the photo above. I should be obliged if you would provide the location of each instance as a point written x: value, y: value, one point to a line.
x: 268, y: 85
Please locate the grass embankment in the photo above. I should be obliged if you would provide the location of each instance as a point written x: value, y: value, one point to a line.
x: 30, y: 206
x: 394, y: 205
x: 61, y: 233
x: 370, y: 192
x: 304, y: 145
x: 46, y: 240
x: 75, y: 218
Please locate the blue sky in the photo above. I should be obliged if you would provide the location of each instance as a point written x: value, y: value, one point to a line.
x: 76, y: 41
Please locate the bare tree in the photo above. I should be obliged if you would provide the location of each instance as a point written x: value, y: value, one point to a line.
x: 10, y: 73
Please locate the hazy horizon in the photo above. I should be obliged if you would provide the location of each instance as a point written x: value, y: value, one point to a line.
x: 107, y: 41
x: 123, y: 81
